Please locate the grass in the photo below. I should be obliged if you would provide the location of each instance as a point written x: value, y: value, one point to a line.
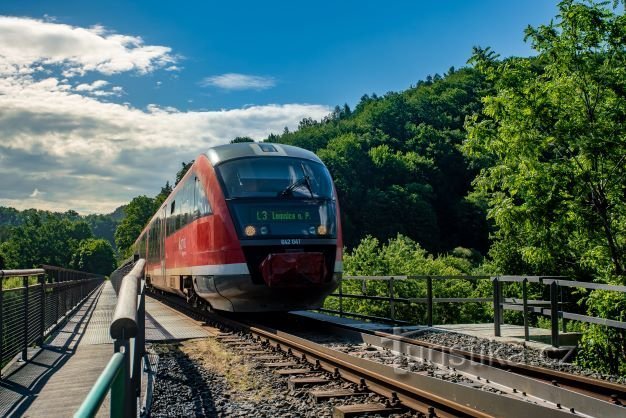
x: 212, y: 355
x: 13, y: 282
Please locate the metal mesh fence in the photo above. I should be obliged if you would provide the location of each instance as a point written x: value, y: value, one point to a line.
x: 29, y: 313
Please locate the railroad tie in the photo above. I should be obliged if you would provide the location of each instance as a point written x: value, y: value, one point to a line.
x: 289, y: 372
x: 296, y: 382
x: 246, y: 346
x: 261, y: 354
x: 233, y: 341
x: 281, y: 365
x: 322, y: 395
x: 364, y: 408
x: 266, y: 357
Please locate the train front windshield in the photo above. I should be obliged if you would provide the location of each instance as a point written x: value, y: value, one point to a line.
x: 279, y: 197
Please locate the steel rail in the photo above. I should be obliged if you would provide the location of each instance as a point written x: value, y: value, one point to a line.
x: 516, y: 384
x: 380, y: 383
x: 423, y: 404
x: 598, y: 388
x: 413, y: 390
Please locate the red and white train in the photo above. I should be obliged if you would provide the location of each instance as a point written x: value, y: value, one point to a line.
x: 251, y: 227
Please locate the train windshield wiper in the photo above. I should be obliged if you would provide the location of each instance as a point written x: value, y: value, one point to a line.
x: 303, y: 181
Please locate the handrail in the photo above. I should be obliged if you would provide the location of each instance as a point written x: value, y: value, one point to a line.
x: 554, y: 307
x: 529, y: 279
x: 22, y: 272
x: 128, y: 323
x: 112, y: 378
x: 124, y: 324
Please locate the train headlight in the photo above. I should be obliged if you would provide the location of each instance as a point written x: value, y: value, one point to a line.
x: 250, y: 231
x: 264, y: 230
x: 322, y: 230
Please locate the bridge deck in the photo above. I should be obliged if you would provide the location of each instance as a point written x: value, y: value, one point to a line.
x: 57, y: 377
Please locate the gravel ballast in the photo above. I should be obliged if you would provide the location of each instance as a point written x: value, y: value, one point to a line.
x: 519, y: 353
x: 208, y: 378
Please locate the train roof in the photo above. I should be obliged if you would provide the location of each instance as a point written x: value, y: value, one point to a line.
x: 223, y: 153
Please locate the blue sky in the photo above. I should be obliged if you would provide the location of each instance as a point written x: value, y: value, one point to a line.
x: 326, y: 52
x: 102, y: 101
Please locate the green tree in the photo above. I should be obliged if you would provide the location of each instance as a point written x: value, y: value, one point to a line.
x: 102, y: 226
x: 403, y: 256
x: 163, y: 194
x: 138, y: 213
x: 94, y: 256
x: 397, y: 165
x: 43, y: 239
x: 183, y: 170
x: 554, y: 133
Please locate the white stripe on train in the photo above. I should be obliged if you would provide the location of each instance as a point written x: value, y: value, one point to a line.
x: 220, y: 269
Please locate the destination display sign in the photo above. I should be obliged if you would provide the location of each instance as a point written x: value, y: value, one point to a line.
x: 283, y: 215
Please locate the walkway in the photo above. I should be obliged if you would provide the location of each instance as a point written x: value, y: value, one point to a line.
x: 57, y: 378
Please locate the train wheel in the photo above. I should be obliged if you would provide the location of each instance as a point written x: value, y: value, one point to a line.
x: 193, y: 299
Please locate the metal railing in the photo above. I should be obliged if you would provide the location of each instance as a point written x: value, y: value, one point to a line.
x: 122, y: 375
x: 33, y: 302
x: 552, y: 307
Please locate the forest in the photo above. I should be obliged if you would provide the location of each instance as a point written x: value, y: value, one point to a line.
x: 33, y: 237
x: 506, y: 166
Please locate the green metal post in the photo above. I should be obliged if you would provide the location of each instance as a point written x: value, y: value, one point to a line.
x: 112, y: 377
x: 118, y: 392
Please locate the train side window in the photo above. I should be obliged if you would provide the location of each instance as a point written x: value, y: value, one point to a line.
x: 188, y: 202
x: 202, y: 206
x: 183, y: 206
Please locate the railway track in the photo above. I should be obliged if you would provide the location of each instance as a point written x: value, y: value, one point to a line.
x: 611, y: 392
x: 405, y: 391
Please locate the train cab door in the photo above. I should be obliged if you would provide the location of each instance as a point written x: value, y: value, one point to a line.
x: 162, y: 235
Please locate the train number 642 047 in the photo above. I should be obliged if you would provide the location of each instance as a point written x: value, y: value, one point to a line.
x: 293, y: 241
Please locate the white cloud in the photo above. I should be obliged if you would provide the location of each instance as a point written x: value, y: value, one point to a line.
x: 89, y: 155
x: 27, y: 42
x: 96, y: 85
x: 36, y: 193
x: 234, y: 81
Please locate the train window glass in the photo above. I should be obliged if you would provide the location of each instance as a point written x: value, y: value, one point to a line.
x: 170, y: 222
x: 188, y: 202
x: 268, y: 177
x: 202, y: 206
x: 183, y: 206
